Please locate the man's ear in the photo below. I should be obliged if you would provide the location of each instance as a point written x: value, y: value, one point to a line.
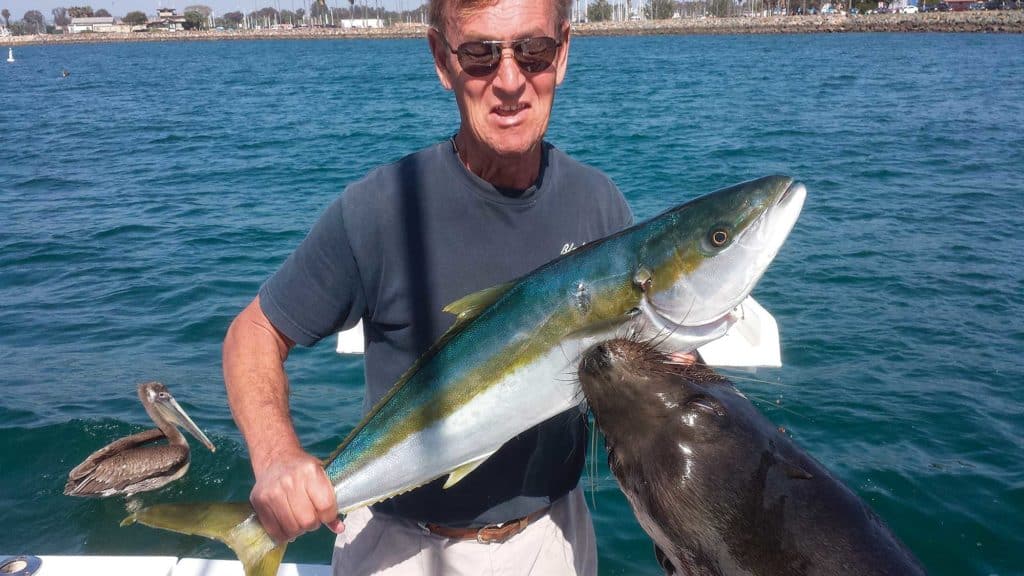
x: 561, y: 62
x: 439, y: 50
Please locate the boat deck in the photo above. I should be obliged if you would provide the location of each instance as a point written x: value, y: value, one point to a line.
x: 140, y: 566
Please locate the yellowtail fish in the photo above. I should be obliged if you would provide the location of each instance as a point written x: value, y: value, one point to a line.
x: 509, y: 360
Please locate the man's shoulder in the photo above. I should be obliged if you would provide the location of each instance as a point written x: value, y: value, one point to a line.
x: 386, y: 184
x: 415, y: 163
x: 589, y: 191
x: 577, y: 173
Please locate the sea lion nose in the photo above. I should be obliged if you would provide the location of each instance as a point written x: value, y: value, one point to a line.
x: 596, y: 359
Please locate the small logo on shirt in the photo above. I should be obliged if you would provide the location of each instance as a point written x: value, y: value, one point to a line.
x: 569, y: 247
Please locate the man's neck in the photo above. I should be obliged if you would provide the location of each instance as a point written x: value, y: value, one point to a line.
x: 504, y: 172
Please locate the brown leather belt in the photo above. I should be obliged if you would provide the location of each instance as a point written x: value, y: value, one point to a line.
x: 492, y: 533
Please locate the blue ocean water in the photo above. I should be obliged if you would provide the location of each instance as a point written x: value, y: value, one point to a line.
x: 146, y: 196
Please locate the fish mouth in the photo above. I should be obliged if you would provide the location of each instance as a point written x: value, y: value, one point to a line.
x: 795, y: 188
x: 720, y: 284
x: 764, y: 239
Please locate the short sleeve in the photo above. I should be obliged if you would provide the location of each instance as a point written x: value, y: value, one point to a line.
x: 622, y: 215
x: 318, y: 289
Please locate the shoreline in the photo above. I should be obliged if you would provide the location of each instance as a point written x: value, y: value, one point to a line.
x: 999, y: 21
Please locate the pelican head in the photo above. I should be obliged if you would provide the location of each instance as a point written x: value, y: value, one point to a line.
x: 166, y: 412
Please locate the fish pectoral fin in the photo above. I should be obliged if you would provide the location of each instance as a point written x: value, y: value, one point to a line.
x: 470, y: 306
x: 455, y: 476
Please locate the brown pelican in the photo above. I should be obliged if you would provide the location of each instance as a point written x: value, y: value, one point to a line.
x: 133, y: 464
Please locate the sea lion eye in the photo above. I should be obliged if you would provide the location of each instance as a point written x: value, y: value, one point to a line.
x: 718, y: 237
x: 706, y: 404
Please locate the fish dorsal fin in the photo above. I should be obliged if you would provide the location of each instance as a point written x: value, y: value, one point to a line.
x: 470, y: 306
x: 455, y: 476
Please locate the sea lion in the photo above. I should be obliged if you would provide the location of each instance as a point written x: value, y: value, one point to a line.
x: 719, y: 488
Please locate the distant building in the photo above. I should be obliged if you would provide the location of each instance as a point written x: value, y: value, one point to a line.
x: 98, y: 24
x: 166, y: 19
x: 361, y: 23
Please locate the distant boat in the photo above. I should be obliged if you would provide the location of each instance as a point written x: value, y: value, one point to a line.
x: 10, y: 54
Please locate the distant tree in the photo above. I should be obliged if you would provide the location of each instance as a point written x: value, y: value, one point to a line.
x: 300, y: 14
x: 660, y: 9
x: 34, y: 22
x: 195, y: 21
x: 204, y: 10
x: 352, y: 9
x: 60, y: 18
x: 287, y: 16
x: 599, y: 11
x: 80, y: 12
x: 7, y: 17
x: 102, y: 12
x: 234, y: 19
x: 135, y: 18
x: 720, y: 7
x: 317, y: 10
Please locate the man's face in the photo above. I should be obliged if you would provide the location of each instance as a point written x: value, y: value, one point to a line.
x: 507, y: 111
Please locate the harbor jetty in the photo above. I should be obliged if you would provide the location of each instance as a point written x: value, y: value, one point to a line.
x: 997, y: 21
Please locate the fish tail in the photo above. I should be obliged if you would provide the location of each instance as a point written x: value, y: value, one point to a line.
x: 233, y: 523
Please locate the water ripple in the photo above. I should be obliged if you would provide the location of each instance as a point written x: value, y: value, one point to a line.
x: 134, y: 230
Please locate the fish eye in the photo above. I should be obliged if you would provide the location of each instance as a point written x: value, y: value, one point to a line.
x: 718, y: 237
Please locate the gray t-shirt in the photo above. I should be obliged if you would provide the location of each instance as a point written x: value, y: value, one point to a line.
x: 414, y: 236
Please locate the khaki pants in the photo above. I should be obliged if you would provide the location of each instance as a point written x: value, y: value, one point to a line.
x: 560, y: 542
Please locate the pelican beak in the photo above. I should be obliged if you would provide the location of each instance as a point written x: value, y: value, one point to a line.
x: 175, y: 413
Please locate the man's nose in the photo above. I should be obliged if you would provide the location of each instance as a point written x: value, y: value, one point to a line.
x: 509, y: 75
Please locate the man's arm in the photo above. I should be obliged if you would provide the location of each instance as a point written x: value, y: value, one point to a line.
x: 292, y: 494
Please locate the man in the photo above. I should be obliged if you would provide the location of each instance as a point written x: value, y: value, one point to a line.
x: 488, y: 206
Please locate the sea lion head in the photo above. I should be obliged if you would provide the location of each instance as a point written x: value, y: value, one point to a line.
x: 699, y: 464
x: 633, y: 388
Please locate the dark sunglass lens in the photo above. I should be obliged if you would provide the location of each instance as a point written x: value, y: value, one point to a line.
x: 478, y: 58
x: 535, y: 54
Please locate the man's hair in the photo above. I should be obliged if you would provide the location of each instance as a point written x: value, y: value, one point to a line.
x: 442, y: 10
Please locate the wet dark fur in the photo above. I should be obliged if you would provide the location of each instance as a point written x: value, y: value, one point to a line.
x: 717, y: 486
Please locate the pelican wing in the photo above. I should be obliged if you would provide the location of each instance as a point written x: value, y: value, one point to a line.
x: 128, y: 465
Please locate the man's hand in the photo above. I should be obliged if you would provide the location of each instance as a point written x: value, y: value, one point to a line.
x: 292, y: 496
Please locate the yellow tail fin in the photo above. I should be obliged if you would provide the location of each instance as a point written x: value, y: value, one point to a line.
x: 233, y: 523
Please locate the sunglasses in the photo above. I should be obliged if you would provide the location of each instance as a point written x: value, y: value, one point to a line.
x: 481, y: 58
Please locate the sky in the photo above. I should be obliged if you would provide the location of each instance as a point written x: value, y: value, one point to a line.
x: 122, y: 7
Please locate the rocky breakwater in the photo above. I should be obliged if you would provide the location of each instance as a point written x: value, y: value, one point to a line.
x: 1007, y: 21
x: 394, y: 31
x: 1011, y: 21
